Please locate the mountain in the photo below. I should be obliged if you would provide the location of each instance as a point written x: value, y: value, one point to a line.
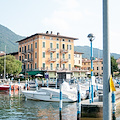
x: 96, y: 52
x: 8, y: 38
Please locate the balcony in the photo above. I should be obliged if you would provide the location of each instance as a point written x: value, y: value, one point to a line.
x: 25, y: 60
x: 52, y: 50
x: 64, y: 51
x: 64, y: 60
x: 44, y: 68
x: 24, y: 52
x: 51, y: 59
x: 30, y: 60
x: 30, y: 50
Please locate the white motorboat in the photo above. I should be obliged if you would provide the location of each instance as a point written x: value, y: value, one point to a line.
x: 50, y: 94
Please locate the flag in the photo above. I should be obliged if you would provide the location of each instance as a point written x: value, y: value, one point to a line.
x: 112, y: 86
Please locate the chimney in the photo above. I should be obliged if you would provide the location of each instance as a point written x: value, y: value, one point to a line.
x: 58, y: 33
x: 46, y: 32
x: 51, y: 32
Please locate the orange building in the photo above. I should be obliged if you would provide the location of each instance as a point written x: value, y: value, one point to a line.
x: 44, y: 52
x: 97, y: 66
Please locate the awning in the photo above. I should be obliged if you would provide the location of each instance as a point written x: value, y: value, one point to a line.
x: 34, y: 72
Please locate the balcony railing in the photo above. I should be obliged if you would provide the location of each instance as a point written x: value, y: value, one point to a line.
x: 24, y: 52
x: 64, y: 51
x: 51, y: 59
x: 30, y: 60
x: 30, y: 50
x: 64, y: 60
x: 44, y: 68
x: 51, y: 49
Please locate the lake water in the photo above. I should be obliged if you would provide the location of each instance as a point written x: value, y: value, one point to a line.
x: 16, y: 108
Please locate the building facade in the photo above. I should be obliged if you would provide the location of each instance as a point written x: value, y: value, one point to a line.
x: 78, y: 71
x: 97, y: 66
x: 46, y: 52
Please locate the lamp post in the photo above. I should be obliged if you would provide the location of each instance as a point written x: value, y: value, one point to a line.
x: 25, y: 60
x: 91, y: 38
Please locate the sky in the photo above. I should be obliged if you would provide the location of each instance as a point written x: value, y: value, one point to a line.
x: 73, y: 18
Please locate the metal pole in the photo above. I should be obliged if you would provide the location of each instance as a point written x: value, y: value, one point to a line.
x: 92, y: 93
x: 78, y: 102
x: 113, y: 106
x: 106, y: 65
x: 5, y: 63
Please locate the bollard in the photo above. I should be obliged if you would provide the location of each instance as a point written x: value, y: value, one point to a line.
x: 36, y: 84
x: 60, y: 105
x: 90, y: 92
x: 42, y: 82
x: 97, y: 86
x: 26, y: 85
x: 9, y: 88
x: 56, y: 83
x: 78, y: 102
x: 19, y: 83
x: 47, y: 83
x: 113, y: 106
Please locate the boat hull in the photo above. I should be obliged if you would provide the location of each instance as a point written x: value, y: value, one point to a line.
x: 52, y: 96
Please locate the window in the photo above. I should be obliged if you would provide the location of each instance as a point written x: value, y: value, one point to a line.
x: 35, y: 65
x: 63, y: 46
x: 20, y: 49
x: 35, y: 54
x: 25, y: 48
x: 102, y: 68
x: 70, y: 47
x: 97, y: 68
x: 51, y: 45
x: 69, y: 56
x: 35, y: 44
x: 31, y: 66
x: 28, y: 66
x: 43, y: 37
x: 31, y: 56
x: 69, y: 40
x: 51, y: 55
x: 43, y: 65
x: 28, y: 47
x: 51, y: 38
x: 51, y: 66
x: 25, y: 56
x: 28, y: 56
x: 93, y: 68
x: 63, y: 66
x: 43, y: 54
x: 57, y: 55
x: 57, y: 65
x: 63, y: 56
x: 57, y: 45
x: 63, y: 39
x: 20, y: 58
x: 69, y: 66
x: 43, y: 45
x: 57, y: 39
x: 31, y: 46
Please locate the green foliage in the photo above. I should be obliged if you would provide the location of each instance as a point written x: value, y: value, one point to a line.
x: 13, y: 66
x: 114, y: 65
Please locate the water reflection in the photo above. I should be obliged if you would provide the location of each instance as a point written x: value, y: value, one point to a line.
x: 16, y: 108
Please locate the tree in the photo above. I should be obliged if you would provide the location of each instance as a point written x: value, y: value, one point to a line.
x: 13, y: 66
x: 114, y: 65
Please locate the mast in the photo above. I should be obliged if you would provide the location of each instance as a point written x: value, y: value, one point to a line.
x: 5, y: 63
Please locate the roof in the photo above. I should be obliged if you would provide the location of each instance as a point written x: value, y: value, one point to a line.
x: 46, y: 34
x: 14, y: 53
x: 75, y: 52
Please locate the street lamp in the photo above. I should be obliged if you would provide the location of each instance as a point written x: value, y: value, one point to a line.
x: 91, y: 38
